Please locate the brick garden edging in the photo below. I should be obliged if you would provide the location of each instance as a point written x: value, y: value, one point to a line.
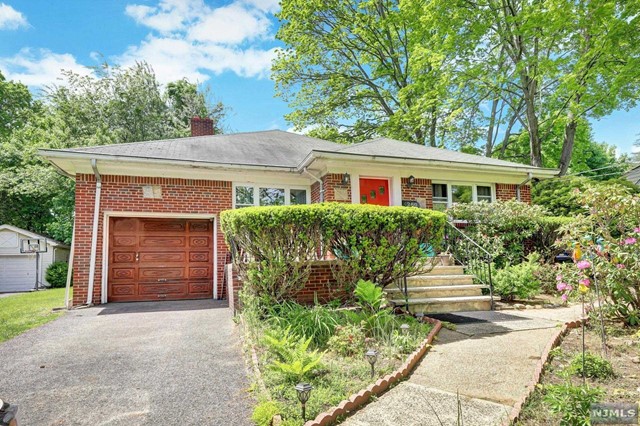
x: 361, y: 398
x: 537, y: 374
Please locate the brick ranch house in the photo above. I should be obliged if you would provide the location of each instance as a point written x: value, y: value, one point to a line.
x: 146, y: 221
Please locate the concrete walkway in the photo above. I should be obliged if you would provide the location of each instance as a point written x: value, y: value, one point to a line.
x: 151, y: 363
x: 477, y: 372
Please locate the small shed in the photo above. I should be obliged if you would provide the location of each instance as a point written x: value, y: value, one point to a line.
x: 18, y: 270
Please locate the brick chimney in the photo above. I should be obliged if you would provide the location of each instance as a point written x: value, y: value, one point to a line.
x: 201, y: 126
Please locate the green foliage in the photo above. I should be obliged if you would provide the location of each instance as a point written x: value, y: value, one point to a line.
x: 608, y: 240
x: 595, y: 366
x: 348, y: 340
x: 560, y: 196
x: 572, y: 402
x: 519, y: 281
x: 369, y: 296
x: 317, y: 322
x: 293, y: 359
x: 546, y: 235
x: 263, y: 413
x: 405, y: 343
x: 272, y: 246
x: 503, y: 227
x: 56, y: 274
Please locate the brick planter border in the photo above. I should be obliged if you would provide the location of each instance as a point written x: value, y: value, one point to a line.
x: 361, y: 398
x: 537, y: 374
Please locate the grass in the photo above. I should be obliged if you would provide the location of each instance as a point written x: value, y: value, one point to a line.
x: 23, y: 312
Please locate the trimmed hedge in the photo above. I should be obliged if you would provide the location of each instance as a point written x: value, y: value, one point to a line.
x: 271, y: 246
x: 56, y: 274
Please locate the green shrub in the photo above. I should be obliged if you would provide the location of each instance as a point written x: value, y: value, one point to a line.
x: 501, y: 227
x: 572, y: 402
x: 369, y: 296
x: 518, y: 281
x: 271, y: 246
x: 348, y: 340
x: 263, y: 413
x: 293, y: 359
x: 547, y: 233
x: 56, y: 274
x: 595, y: 366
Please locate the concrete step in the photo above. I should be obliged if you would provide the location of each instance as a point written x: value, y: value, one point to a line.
x: 437, y: 280
x: 438, y: 291
x: 436, y: 305
x: 447, y: 270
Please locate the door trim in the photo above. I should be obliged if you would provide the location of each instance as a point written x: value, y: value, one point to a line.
x: 105, y: 242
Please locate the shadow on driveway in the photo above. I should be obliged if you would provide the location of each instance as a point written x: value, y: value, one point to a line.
x: 168, y: 306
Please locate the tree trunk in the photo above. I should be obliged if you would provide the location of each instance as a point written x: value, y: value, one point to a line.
x: 532, y: 121
x: 488, y: 148
x: 567, y: 145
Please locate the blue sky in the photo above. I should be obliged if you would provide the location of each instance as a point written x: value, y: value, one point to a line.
x: 226, y: 45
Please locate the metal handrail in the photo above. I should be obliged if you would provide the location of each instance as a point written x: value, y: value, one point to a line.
x: 471, y: 255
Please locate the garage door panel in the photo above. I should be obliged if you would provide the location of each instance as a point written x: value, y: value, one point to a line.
x: 124, y: 241
x: 199, y: 256
x: 160, y: 259
x: 159, y: 273
x: 121, y: 274
x: 175, y: 289
x: 163, y: 226
x: 199, y: 272
x: 162, y: 242
x: 123, y: 257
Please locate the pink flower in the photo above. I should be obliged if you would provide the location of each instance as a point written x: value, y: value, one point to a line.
x: 558, y: 277
x: 637, y: 230
x: 585, y: 282
x: 583, y: 264
x: 630, y: 241
x: 620, y: 266
x: 569, y: 287
x: 564, y: 297
x: 561, y: 286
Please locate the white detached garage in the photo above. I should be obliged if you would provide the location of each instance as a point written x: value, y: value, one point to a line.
x: 18, y: 270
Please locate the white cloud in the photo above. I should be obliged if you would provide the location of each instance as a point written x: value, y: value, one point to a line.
x: 11, y: 19
x: 39, y: 67
x: 189, y: 39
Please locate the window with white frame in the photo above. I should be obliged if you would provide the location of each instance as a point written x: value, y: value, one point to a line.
x: 446, y: 194
x: 249, y: 195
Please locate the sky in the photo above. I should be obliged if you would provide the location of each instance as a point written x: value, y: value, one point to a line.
x: 227, y: 45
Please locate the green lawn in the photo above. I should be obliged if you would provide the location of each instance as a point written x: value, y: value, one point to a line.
x: 23, y: 312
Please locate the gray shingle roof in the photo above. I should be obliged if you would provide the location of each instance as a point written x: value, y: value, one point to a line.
x: 267, y: 148
x: 385, y: 147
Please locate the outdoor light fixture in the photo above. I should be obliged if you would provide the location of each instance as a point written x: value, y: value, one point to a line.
x: 420, y: 316
x: 304, y: 391
x: 346, y: 179
x: 372, y: 357
x: 405, y: 329
x: 410, y: 181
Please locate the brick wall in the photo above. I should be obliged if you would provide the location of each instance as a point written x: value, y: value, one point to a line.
x: 420, y: 191
x: 330, y: 182
x: 506, y: 192
x: 321, y: 284
x: 124, y: 194
x: 201, y: 126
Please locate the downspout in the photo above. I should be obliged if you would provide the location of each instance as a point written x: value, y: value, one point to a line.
x: 317, y: 179
x: 94, y: 232
x: 530, y: 176
x: 70, y: 265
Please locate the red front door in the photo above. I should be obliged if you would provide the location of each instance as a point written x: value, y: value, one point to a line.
x: 374, y: 191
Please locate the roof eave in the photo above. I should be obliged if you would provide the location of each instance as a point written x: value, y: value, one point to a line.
x: 319, y: 154
x: 51, y: 154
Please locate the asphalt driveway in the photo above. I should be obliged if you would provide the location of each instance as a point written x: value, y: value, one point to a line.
x: 147, y: 363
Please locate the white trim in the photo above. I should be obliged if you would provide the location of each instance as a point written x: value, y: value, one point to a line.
x: 269, y: 184
x: 33, y: 235
x: 105, y: 241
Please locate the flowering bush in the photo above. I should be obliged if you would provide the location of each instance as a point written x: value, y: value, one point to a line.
x: 606, y: 251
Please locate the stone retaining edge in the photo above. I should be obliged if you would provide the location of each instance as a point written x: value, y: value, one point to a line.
x: 362, y: 397
x: 537, y: 374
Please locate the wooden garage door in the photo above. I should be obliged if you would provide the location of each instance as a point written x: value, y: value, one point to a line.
x: 160, y: 259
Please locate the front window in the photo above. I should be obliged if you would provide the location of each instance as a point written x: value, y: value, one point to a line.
x: 447, y: 194
x: 249, y: 195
